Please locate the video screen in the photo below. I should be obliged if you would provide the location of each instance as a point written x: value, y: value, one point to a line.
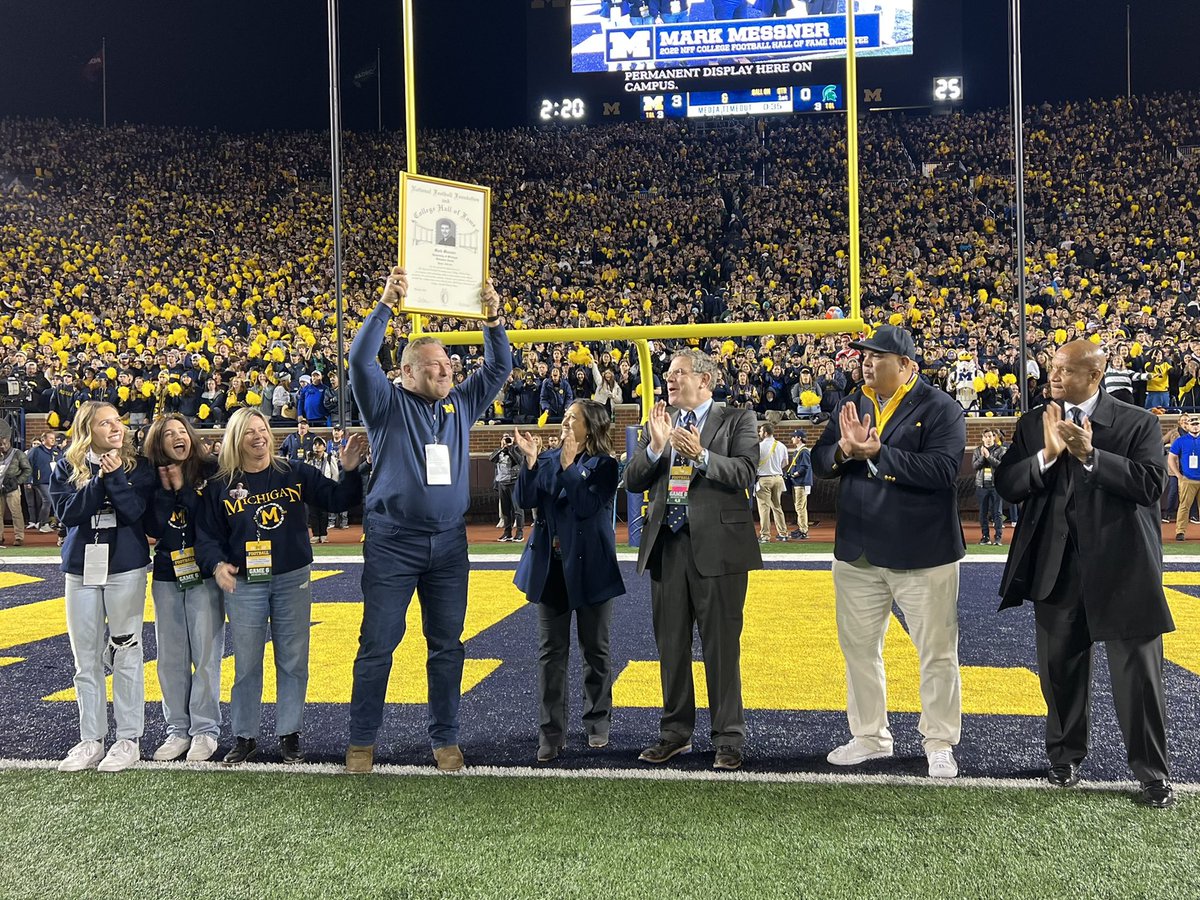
x: 715, y: 35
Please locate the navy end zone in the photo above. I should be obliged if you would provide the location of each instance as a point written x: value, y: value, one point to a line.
x: 791, y: 673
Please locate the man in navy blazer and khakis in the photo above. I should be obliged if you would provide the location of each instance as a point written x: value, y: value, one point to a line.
x: 896, y: 446
x: 699, y: 544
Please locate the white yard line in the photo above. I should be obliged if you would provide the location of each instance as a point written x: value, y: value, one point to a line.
x: 638, y: 774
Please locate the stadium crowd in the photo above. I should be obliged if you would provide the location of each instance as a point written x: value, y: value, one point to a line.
x: 184, y: 270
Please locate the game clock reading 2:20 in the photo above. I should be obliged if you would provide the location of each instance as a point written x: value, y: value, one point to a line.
x: 567, y: 109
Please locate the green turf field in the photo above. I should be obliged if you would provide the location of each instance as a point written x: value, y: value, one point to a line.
x: 245, y: 834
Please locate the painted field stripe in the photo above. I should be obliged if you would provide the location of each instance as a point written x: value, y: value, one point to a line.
x: 334, y: 643
x: 791, y: 659
x: 1182, y: 646
x: 32, y: 622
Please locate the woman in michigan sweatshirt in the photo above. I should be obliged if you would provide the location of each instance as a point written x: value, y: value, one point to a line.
x: 253, y: 537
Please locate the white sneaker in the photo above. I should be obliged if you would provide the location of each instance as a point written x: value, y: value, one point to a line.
x: 942, y: 764
x: 172, y: 748
x: 853, y: 753
x: 203, y: 747
x: 121, y: 755
x: 83, y: 755
x: 44, y: 529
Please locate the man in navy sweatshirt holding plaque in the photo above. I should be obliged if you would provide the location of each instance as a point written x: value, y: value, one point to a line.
x: 415, y: 533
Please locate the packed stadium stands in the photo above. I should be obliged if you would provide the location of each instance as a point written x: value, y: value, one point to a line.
x: 137, y: 251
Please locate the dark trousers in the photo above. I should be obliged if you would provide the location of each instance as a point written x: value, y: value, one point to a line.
x: 395, y: 562
x: 680, y: 600
x: 1064, y: 650
x: 511, y: 514
x: 991, y: 510
x: 554, y: 648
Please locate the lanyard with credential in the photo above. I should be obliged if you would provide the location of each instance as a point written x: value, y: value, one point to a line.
x: 437, y: 453
x: 187, y: 570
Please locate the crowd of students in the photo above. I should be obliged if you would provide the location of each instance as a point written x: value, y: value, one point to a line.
x: 172, y: 270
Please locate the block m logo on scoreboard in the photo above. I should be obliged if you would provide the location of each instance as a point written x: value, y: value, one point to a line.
x: 628, y: 44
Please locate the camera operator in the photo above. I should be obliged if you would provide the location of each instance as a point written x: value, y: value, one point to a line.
x: 508, y: 460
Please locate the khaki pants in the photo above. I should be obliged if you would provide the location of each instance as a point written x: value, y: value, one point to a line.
x: 770, y: 503
x: 929, y: 600
x: 800, y: 495
x: 12, y: 500
x: 1188, y: 491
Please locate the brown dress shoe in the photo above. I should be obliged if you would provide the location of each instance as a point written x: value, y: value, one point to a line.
x: 448, y: 758
x: 359, y: 759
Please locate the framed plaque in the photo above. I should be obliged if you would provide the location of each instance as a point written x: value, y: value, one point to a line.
x: 444, y: 231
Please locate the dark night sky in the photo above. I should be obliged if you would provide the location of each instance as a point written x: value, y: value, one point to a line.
x: 262, y: 64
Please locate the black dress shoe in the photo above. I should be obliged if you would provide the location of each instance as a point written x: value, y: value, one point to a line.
x: 664, y: 750
x: 1156, y: 795
x: 289, y: 746
x: 1064, y: 776
x: 728, y: 758
x: 245, y: 749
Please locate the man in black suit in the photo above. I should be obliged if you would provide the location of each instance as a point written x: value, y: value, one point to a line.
x: 1088, y: 471
x: 699, y: 544
x: 896, y: 446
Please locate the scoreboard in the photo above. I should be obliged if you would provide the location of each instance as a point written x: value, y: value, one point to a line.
x: 606, y: 60
x: 752, y: 102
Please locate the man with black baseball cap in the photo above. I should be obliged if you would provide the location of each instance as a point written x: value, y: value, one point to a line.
x: 896, y: 446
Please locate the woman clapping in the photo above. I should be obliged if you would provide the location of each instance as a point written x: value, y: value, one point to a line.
x: 570, y: 565
x: 189, y: 611
x: 99, y: 492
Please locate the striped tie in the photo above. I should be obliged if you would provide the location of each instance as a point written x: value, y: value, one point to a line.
x: 677, y: 514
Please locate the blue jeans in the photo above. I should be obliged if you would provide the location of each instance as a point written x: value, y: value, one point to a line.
x: 189, y: 627
x: 395, y: 562
x: 1161, y: 399
x: 991, y: 509
x: 117, y: 605
x: 285, y: 602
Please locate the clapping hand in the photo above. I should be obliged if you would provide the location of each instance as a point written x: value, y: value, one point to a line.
x: 527, y: 444
x: 659, y: 427
x: 686, y: 441
x: 171, y: 477
x: 1077, y: 438
x: 859, y: 439
x: 570, y: 448
x: 354, y: 452
x: 1052, y: 419
x: 110, y: 462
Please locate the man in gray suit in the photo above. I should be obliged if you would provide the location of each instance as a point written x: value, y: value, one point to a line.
x: 698, y: 543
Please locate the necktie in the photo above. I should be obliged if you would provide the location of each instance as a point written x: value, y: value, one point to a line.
x: 677, y: 514
x: 1077, y: 416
